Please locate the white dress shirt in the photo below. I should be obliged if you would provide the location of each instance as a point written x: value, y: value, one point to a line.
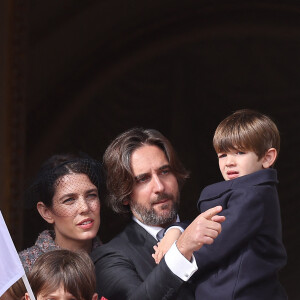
x: 176, y: 262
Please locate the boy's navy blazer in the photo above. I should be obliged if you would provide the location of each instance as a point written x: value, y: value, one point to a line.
x: 244, y: 260
x: 125, y: 269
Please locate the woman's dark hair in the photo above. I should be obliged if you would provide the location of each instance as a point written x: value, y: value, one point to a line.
x: 117, y: 163
x: 74, y: 271
x: 53, y: 169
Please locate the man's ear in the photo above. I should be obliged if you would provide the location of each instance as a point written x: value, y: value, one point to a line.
x: 45, y: 212
x: 269, y: 158
x: 125, y: 201
x: 95, y: 296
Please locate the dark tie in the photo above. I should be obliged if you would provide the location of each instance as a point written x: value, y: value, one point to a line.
x: 160, y: 234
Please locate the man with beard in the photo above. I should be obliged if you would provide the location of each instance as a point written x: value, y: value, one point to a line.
x: 144, y: 178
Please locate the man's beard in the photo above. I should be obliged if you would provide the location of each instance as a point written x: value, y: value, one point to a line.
x: 149, y: 216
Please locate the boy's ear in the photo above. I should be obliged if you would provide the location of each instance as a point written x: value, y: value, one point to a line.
x: 27, y: 296
x: 269, y: 158
x: 95, y: 296
x: 45, y: 212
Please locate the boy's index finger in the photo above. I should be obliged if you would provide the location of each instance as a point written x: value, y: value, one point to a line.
x: 208, y: 214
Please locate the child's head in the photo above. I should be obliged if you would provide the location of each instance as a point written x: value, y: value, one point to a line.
x: 64, y: 274
x: 246, y: 141
x: 15, y: 292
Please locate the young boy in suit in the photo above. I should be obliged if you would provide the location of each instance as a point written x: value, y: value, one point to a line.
x: 243, y: 262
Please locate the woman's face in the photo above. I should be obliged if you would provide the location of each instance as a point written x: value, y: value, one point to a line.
x: 75, y: 211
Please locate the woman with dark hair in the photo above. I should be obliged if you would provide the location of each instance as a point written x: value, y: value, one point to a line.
x: 66, y: 194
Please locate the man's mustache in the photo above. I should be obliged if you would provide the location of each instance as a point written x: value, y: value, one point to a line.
x: 163, y: 196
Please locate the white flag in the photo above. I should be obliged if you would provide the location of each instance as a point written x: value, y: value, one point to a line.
x: 11, y: 268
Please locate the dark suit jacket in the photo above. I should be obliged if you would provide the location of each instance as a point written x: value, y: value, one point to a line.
x: 244, y: 260
x: 125, y: 269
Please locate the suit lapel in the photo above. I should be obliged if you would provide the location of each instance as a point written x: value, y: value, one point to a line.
x: 142, y: 243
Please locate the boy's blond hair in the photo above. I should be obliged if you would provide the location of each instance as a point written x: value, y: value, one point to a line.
x: 247, y: 130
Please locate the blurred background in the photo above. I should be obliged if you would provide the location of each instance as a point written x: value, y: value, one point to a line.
x: 75, y: 74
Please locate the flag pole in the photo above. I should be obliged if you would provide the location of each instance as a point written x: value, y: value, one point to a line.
x: 28, y: 287
x: 10, y: 264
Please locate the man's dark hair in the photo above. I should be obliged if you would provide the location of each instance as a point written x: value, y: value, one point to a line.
x: 117, y: 163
